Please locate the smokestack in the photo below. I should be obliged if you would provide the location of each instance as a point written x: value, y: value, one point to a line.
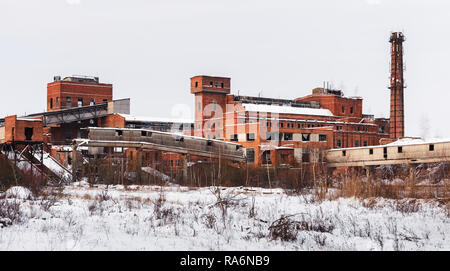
x: 397, y: 119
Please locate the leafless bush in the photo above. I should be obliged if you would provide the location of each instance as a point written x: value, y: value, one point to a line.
x: 320, y: 239
x: 284, y: 229
x: 252, y: 212
x: 407, y: 206
x: 95, y: 206
x: 158, y: 204
x: 103, y: 195
x: 317, y: 222
x: 224, y: 201
x: 69, y: 218
x: 49, y: 198
x: 378, y: 237
x: 209, y: 220
x: 10, y: 212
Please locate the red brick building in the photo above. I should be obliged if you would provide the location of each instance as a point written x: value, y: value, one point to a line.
x: 281, y: 131
x: 76, y: 92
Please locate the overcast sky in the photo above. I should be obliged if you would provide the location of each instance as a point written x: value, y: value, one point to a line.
x: 283, y: 49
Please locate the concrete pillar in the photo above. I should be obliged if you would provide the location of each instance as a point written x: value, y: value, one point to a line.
x: 185, y: 168
x: 412, y: 174
x: 139, y: 165
x: 369, y: 172
x: 74, y: 162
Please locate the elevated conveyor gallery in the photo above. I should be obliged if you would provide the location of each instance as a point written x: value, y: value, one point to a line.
x: 155, y: 140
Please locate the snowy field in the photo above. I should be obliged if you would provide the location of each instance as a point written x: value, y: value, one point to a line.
x: 80, y: 217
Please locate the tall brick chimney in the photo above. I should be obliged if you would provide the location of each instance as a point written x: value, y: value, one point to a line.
x: 397, y: 119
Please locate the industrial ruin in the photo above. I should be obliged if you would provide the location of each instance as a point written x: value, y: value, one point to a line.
x: 326, y: 127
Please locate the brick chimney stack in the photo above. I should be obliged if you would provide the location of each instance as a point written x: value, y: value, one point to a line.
x: 397, y: 119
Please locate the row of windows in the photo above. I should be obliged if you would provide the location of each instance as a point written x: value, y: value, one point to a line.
x: 283, y: 136
x: 343, y: 110
x: 357, y: 143
x: 357, y: 128
x: 291, y: 125
x: 69, y: 102
x: 213, y: 84
x: 399, y: 150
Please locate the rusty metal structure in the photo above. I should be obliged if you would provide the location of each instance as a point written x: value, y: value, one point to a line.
x: 397, y: 86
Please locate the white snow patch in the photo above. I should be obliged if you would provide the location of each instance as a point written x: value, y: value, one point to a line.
x: 18, y: 192
x: 286, y: 109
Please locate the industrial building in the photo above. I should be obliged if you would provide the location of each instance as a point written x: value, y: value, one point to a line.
x: 269, y: 132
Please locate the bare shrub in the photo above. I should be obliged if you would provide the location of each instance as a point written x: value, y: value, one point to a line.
x: 10, y: 212
x: 284, y: 229
x: 318, y: 223
x: 159, y: 203
x: 103, y: 195
x: 252, y: 212
x: 95, y: 206
x: 224, y: 201
x: 209, y: 220
x: 407, y: 206
x: 320, y: 239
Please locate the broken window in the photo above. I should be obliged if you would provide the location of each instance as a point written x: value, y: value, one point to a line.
x: 431, y: 147
x: 385, y: 153
x: 343, y: 109
x: 344, y: 153
x: 322, y: 137
x: 69, y: 102
x: 196, y: 84
x: 92, y: 102
x: 250, y: 137
x: 339, y: 143
x: 51, y: 103
x: 119, y: 132
x: 80, y: 102
x: 305, y: 156
x: 287, y: 136
x: 371, y: 151
x: 267, y: 157
x: 68, y: 133
x: 351, y: 110
x: 356, y: 143
x: 365, y: 143
x: 250, y: 153
x: 271, y: 136
x: 28, y: 133
x: 222, y: 85
x: 306, y: 137
x: 234, y: 137
x: 400, y: 149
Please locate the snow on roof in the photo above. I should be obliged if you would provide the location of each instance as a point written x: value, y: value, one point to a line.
x: 400, y: 142
x: 286, y: 109
x: 26, y: 119
x: 415, y: 141
x: 155, y: 119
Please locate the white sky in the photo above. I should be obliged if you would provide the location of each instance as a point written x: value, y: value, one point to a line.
x: 150, y: 49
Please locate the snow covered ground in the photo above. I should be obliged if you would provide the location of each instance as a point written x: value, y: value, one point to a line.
x: 180, y: 218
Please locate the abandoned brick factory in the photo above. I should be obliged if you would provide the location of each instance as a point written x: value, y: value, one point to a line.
x: 84, y: 120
